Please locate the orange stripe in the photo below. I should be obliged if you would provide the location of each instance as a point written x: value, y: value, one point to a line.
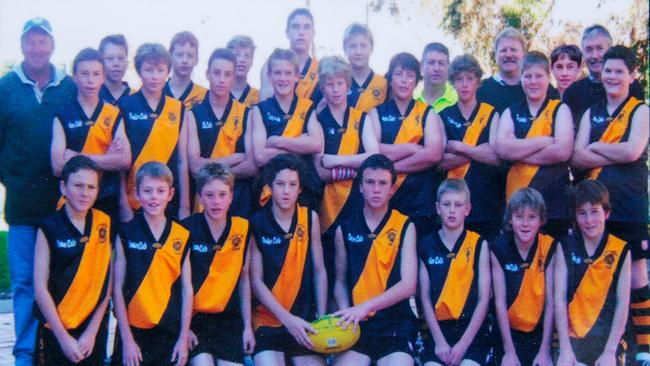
x: 160, y: 144
x: 616, y: 129
x: 308, y: 83
x: 471, y: 137
x: 252, y: 98
x: 289, y: 281
x: 381, y: 259
x: 411, y: 131
x: 520, y: 174
x: 641, y: 320
x: 84, y: 292
x: 526, y: 311
x: 640, y: 305
x: 148, y: 305
x: 453, y: 296
x: 374, y: 95
x: 336, y: 194
x: 225, y: 269
x: 590, y: 296
x: 195, y: 96
x: 643, y: 339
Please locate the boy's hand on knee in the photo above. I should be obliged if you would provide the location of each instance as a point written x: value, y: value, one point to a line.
x: 131, y: 354
x: 180, y: 353
x: 86, y: 344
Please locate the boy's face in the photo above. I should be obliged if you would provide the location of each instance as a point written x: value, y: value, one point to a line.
x: 115, y: 62
x: 89, y: 77
x: 216, y: 197
x: 300, y: 33
x: 154, y: 76
x: 81, y: 189
x: 221, y: 75
x: 403, y: 82
x: 565, y: 71
x: 154, y: 194
x: 591, y: 220
x: 358, y: 49
x: 466, y: 83
x: 286, y: 188
x: 453, y: 208
x: 244, y: 57
x: 616, y: 77
x: 535, y: 82
x: 184, y: 58
x: 525, y: 224
x: 283, y: 77
x: 335, y: 89
x: 377, y: 187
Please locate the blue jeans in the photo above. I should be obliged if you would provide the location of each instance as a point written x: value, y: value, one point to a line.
x: 20, y: 244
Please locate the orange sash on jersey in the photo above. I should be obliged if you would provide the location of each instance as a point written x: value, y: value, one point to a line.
x: 308, y: 83
x: 149, y: 302
x: 225, y: 269
x: 590, y: 296
x: 84, y: 292
x: 520, y: 174
x: 252, y: 98
x: 160, y: 144
x: 411, y: 131
x: 616, y: 129
x: 453, y: 296
x: 336, y: 194
x: 100, y: 135
x: 374, y: 95
x: 287, y: 285
x: 195, y: 96
x: 526, y: 310
x: 373, y: 279
x: 294, y: 128
x: 472, y: 134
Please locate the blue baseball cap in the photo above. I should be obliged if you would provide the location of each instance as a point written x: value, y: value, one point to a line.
x: 40, y: 23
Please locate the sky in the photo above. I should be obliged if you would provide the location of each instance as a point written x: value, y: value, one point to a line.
x: 82, y: 23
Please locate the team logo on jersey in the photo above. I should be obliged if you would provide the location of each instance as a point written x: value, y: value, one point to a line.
x: 357, y: 124
x: 331, y: 131
x: 436, y: 260
x: 107, y: 121
x: 139, y: 116
x: 358, y: 238
x: 598, y: 119
x: 235, y: 121
x: 575, y: 259
x: 453, y: 122
x: 89, y: 123
x: 468, y: 254
x: 300, y: 232
x: 540, y: 263
x: 176, y: 245
x: 75, y: 124
x: 206, y: 125
x: 172, y: 116
x: 522, y: 119
x: 376, y: 93
x: 391, y: 235
x: 312, y: 76
x: 236, y: 242
x: 389, y: 118
x: 302, y: 115
x: 70, y: 243
x: 610, y: 257
x: 157, y: 245
x: 103, y: 231
x: 418, y: 120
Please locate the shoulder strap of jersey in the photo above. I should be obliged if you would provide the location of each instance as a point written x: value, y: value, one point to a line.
x: 374, y: 94
x: 230, y: 132
x: 411, y: 131
x: 296, y: 124
x: 471, y: 137
x: 308, y: 83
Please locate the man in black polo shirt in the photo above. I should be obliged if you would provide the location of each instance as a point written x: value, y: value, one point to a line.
x: 586, y: 92
x: 29, y: 95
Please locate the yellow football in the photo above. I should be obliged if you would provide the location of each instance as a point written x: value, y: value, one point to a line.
x: 330, y: 338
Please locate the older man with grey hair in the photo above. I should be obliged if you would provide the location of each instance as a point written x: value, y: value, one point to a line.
x: 29, y: 95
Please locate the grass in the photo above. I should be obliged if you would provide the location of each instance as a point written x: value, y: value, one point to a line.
x: 4, y: 263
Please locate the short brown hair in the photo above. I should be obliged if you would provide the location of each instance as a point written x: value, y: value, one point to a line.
x: 533, y: 58
x: 182, y: 38
x: 154, y: 53
x: 300, y: 11
x: 453, y: 185
x: 591, y: 191
x: 522, y: 199
x: 154, y: 169
x: 214, y: 171
x: 240, y: 41
x: 87, y: 54
x: 280, y: 54
x: 116, y: 39
x: 464, y: 63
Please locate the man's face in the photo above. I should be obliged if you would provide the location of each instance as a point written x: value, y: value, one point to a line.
x: 37, y: 47
x: 434, y: 67
x: 509, y: 53
x: 594, y: 49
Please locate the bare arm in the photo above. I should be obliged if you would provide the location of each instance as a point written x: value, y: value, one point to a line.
x: 126, y: 212
x: 119, y: 304
x: 341, y: 265
x: 442, y: 346
x: 485, y: 153
x: 183, y: 172
x: 501, y: 307
x: 630, y: 150
x: 370, y: 147
x: 115, y: 159
x: 584, y: 158
x: 393, y: 152
x: 58, y: 148
x: 320, y: 274
x: 262, y: 153
x: 432, y: 151
x: 511, y: 148
x: 567, y: 357
x: 560, y: 150
x: 309, y: 143
x: 246, y: 168
x: 547, y: 330
x: 245, y: 291
x: 622, y: 308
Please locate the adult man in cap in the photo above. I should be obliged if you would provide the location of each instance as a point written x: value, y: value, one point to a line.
x: 29, y: 95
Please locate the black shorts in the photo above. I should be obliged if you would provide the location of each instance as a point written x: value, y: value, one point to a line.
x: 219, y: 335
x: 378, y: 346
x: 588, y: 349
x: 477, y: 351
x: 278, y: 339
x: 156, y: 346
x: 527, y: 345
x: 634, y: 233
x: 48, y: 350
